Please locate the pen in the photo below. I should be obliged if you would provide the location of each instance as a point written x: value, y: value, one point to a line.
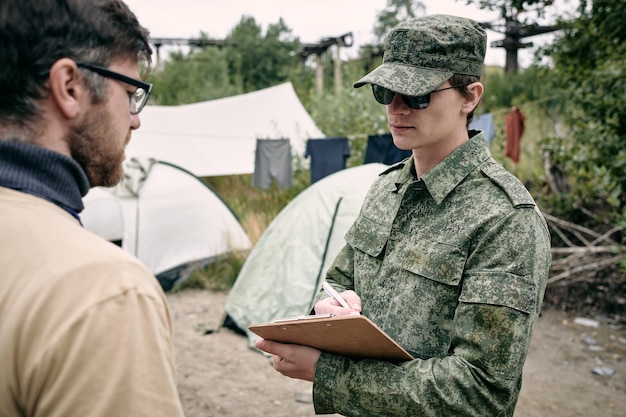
x: 331, y: 291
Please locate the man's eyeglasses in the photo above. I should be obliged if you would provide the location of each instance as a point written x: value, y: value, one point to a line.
x: 138, y: 99
x: 385, y: 96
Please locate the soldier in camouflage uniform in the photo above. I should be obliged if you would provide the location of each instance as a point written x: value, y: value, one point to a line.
x: 449, y: 255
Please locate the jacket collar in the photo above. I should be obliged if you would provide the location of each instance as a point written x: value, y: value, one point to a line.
x: 449, y: 173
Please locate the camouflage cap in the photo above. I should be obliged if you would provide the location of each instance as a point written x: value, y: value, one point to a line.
x: 423, y: 53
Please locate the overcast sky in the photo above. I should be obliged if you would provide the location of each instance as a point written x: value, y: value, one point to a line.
x: 310, y: 20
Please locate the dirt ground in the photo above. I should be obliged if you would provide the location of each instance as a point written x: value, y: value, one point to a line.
x: 219, y: 375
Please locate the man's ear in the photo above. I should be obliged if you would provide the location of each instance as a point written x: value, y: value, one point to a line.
x: 475, y: 91
x: 68, y: 89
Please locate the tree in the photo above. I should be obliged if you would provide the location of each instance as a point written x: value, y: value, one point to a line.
x: 516, y: 25
x: 262, y: 60
x: 200, y: 75
x: 590, y: 67
x: 512, y: 8
x: 247, y: 60
x: 396, y: 12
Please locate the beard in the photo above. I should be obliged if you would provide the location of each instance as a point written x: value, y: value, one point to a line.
x: 96, y: 149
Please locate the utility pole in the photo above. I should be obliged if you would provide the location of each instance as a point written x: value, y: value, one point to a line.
x: 514, y: 32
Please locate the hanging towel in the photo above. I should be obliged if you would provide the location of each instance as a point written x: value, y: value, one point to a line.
x: 328, y: 155
x: 380, y: 148
x: 272, y: 160
x: 513, y: 129
x: 484, y: 122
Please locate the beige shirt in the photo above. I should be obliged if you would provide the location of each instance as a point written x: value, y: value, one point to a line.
x: 85, y: 329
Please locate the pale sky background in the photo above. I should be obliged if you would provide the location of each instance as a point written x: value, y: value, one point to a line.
x: 310, y: 20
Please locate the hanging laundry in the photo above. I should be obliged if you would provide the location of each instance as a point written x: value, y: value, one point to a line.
x: 272, y: 160
x: 328, y: 155
x: 484, y: 122
x: 513, y: 130
x: 380, y: 148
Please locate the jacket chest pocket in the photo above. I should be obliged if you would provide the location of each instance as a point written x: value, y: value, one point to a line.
x: 435, y: 261
x: 368, y: 236
x: 411, y: 288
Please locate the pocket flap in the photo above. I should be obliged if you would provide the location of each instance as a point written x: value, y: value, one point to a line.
x: 504, y: 289
x: 367, y: 236
x: 433, y: 260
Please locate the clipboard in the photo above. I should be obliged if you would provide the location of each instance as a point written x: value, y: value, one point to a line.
x: 354, y: 336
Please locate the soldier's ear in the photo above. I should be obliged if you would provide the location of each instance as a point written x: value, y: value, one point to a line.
x: 475, y: 93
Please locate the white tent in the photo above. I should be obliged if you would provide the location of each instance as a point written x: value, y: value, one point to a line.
x: 165, y: 216
x: 218, y: 137
x: 283, y: 272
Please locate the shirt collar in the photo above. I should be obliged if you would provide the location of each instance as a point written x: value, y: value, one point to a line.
x: 449, y: 173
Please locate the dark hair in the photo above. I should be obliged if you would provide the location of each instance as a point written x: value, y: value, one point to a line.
x: 35, y: 34
x: 463, y: 81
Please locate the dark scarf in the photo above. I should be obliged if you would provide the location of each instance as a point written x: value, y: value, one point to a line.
x: 43, y: 173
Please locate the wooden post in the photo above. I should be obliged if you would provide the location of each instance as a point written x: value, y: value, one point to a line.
x: 319, y: 74
x: 338, y: 70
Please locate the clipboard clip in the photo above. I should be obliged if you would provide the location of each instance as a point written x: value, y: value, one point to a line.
x: 309, y: 317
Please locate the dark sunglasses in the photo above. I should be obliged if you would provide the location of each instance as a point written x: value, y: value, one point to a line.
x: 385, y: 96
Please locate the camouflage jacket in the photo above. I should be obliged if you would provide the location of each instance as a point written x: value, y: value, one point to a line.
x: 453, y: 266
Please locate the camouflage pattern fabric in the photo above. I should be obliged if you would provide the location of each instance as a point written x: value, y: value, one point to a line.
x: 453, y: 266
x: 423, y: 53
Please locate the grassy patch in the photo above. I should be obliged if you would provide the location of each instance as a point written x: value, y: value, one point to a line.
x: 219, y: 275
